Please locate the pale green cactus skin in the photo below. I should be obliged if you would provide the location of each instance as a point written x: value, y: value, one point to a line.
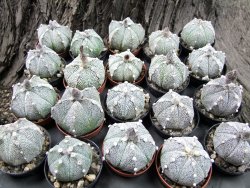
x: 174, y: 111
x: 55, y: 36
x: 206, y: 62
x: 198, y: 33
x: 70, y: 160
x: 125, y: 35
x: 33, y: 99
x: 221, y: 96
x: 43, y: 62
x: 126, y: 101
x: 231, y: 142
x: 167, y: 72
x: 78, y: 111
x: 184, y: 161
x: 163, y: 42
x: 92, y: 43
x: 128, y: 146
x: 20, y: 142
x: 124, y: 66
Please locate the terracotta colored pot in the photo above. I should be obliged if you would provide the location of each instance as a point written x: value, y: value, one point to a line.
x: 44, y: 122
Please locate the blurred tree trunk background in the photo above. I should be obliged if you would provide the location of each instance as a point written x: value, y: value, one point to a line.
x: 20, y: 19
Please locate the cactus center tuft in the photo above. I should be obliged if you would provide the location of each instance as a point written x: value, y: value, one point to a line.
x: 231, y: 76
x: 132, y: 136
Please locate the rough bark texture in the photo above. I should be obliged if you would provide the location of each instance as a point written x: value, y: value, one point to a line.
x: 20, y: 19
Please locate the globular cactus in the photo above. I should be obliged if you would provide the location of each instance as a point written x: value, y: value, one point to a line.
x: 206, y: 62
x: 20, y: 142
x: 92, y: 43
x: 33, y: 99
x: 128, y: 146
x: 55, y: 36
x: 43, y: 62
x: 163, y: 42
x: 125, y: 35
x: 232, y: 142
x: 84, y: 72
x: 124, y: 67
x: 197, y: 33
x: 126, y: 101
x: 184, y: 161
x: 167, y: 72
x: 221, y: 96
x: 78, y: 112
x: 174, y: 111
x: 70, y: 160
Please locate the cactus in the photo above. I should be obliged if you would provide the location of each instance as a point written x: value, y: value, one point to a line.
x: 126, y: 101
x: 69, y: 160
x: 78, y: 111
x: 128, y: 146
x: 232, y: 142
x: 33, y: 99
x: 197, y: 33
x: 55, y: 36
x: 43, y: 62
x: 125, y: 35
x: 84, y: 72
x: 206, y: 62
x: 124, y: 67
x: 91, y: 42
x: 221, y: 96
x: 20, y: 142
x: 184, y: 161
x: 163, y: 42
x: 174, y: 111
x: 167, y: 72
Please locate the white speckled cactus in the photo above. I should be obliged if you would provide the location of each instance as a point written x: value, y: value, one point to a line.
x: 197, y: 33
x: 206, y: 62
x: 55, y: 36
x: 163, y: 42
x: 20, y: 142
x: 184, y: 161
x: 43, y: 62
x: 78, y: 112
x: 125, y: 35
x: 84, y: 72
x: 33, y: 99
x: 125, y: 67
x: 126, y: 101
x: 221, y: 96
x: 232, y: 142
x: 92, y: 43
x: 70, y: 160
x: 167, y: 72
x: 174, y: 111
x: 128, y: 146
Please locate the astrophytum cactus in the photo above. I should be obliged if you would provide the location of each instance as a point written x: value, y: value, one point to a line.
x: 70, y: 160
x: 174, y: 111
x: 163, y: 41
x: 232, y: 142
x: 55, y: 36
x: 43, y: 62
x: 126, y: 101
x: 222, y: 96
x: 128, y: 146
x: 184, y: 161
x: 125, y: 35
x: 33, y: 99
x: 124, y: 67
x: 197, y: 33
x: 20, y: 142
x: 78, y: 112
x: 84, y: 72
x: 206, y: 62
x: 167, y: 71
